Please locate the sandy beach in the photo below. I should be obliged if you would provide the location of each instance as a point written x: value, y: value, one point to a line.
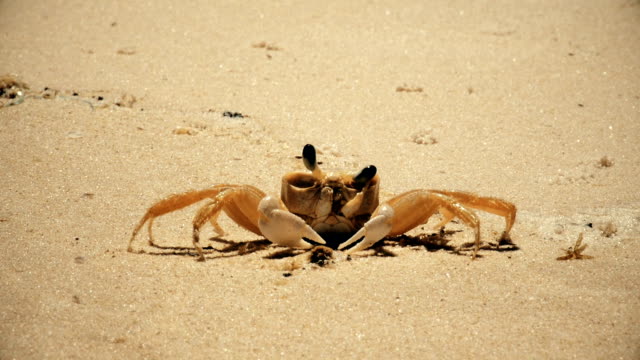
x: 107, y: 108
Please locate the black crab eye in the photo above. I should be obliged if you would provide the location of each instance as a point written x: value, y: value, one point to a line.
x: 362, y: 179
x: 309, y: 157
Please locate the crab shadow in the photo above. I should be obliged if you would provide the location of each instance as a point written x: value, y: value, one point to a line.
x: 439, y: 241
x: 227, y: 248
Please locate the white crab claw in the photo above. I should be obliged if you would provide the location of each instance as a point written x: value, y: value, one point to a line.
x: 373, y: 230
x: 284, y: 228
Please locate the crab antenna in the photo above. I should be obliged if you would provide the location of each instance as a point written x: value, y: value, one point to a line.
x: 365, y: 176
x: 309, y: 159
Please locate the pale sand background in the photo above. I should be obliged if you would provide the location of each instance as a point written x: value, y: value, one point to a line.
x: 522, y: 99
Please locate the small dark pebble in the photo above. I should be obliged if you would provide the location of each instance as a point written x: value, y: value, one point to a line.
x: 75, y: 94
x: 287, y: 274
x: 100, y: 98
x: 590, y: 225
x: 232, y: 114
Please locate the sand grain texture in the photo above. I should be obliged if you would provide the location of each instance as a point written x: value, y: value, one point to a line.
x: 537, y: 102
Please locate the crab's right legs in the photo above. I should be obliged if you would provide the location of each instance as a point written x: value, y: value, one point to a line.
x: 283, y: 228
x: 407, y: 211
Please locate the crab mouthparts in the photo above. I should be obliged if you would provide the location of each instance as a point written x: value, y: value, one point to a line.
x: 334, y: 229
x: 334, y: 235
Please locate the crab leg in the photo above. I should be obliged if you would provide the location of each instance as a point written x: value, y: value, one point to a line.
x: 240, y: 203
x: 170, y: 204
x: 240, y: 212
x: 407, y: 211
x: 489, y: 204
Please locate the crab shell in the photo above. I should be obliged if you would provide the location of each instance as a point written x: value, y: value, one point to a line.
x: 332, y: 204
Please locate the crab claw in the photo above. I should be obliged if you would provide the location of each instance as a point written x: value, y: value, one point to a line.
x: 373, y: 230
x: 284, y: 228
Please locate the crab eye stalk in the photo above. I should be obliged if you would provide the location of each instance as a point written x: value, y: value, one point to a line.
x: 363, y: 178
x: 309, y: 157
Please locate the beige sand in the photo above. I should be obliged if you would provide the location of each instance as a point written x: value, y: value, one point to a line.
x: 537, y: 102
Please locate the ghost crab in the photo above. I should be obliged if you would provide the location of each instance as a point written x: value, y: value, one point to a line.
x: 341, y: 211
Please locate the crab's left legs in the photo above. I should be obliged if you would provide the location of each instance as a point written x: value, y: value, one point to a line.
x: 266, y: 216
x: 240, y: 203
x: 176, y: 202
x: 406, y: 211
x: 263, y: 215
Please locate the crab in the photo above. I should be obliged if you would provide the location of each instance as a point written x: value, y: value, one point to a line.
x: 338, y: 210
